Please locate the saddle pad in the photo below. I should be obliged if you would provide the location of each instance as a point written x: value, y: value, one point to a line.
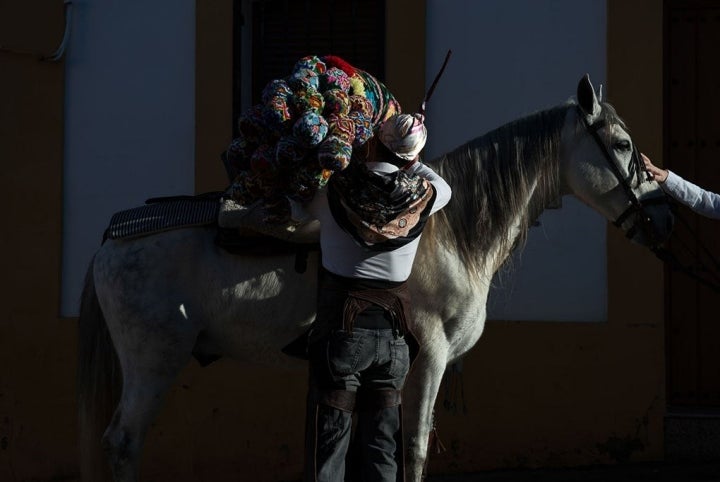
x: 163, y: 215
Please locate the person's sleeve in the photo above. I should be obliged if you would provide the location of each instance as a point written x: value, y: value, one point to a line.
x: 696, y: 198
x: 443, y: 192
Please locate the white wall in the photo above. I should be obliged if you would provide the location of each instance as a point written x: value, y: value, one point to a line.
x: 511, y: 58
x: 129, y: 118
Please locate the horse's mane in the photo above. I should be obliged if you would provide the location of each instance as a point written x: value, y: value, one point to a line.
x: 493, y: 177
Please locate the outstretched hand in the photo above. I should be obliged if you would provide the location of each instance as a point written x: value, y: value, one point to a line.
x: 658, y: 174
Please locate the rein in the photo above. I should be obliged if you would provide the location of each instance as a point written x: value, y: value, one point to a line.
x: 635, y: 169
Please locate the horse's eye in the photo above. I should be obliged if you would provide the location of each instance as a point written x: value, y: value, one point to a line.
x: 622, y: 145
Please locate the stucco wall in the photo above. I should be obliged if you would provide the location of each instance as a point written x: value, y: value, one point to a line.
x: 511, y: 59
x: 37, y: 359
x: 129, y: 119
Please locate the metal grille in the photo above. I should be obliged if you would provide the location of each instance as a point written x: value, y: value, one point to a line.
x: 287, y: 30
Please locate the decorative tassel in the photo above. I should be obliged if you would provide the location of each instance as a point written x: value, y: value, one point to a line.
x: 335, y: 61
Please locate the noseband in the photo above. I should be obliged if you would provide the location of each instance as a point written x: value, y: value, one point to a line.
x: 635, y: 170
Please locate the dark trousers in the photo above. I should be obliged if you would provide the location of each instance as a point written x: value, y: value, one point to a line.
x: 364, y: 362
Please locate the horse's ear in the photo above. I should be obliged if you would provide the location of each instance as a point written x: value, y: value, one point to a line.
x: 587, y: 100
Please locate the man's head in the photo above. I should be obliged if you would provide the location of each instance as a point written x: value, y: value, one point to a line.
x: 404, y: 135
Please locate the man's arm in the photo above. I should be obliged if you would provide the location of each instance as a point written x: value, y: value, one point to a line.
x: 443, y: 192
x: 703, y: 202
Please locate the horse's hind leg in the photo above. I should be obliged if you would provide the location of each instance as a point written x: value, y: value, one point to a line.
x: 150, y: 362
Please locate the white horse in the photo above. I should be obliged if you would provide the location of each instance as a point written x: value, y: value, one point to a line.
x: 153, y: 301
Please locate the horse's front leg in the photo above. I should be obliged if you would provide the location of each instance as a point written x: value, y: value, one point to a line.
x: 420, y: 393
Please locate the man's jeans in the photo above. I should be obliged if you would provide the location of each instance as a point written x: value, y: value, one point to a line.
x: 363, y: 360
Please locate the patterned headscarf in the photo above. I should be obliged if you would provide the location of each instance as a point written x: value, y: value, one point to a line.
x: 404, y: 134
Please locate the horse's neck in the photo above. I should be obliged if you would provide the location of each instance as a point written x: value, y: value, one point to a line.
x: 503, y: 250
x: 537, y: 145
x: 507, y: 241
x: 437, y: 264
x: 515, y: 174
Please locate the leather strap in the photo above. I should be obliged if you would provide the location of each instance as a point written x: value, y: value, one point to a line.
x: 371, y: 400
x: 341, y: 399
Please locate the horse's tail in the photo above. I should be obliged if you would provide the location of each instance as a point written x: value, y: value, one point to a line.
x: 99, y: 381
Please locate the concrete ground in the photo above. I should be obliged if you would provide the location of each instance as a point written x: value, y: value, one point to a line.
x: 663, y: 472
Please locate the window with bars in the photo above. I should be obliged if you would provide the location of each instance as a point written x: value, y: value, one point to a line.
x: 283, y: 31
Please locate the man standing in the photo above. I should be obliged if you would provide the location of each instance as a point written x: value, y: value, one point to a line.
x: 371, y: 215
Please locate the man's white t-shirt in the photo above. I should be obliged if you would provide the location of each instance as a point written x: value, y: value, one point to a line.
x: 342, y: 255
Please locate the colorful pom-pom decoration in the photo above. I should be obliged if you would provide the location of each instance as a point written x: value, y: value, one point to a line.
x: 357, y: 87
x: 251, y: 124
x: 289, y: 151
x: 238, y: 154
x: 239, y: 149
x: 304, y: 79
x: 325, y: 175
x: 304, y: 101
x: 263, y: 160
x: 246, y: 188
x: 275, y: 88
x: 334, y: 154
x: 310, y: 129
x: 359, y: 103
x: 277, y: 114
x: 311, y: 62
x: 238, y: 191
x: 336, y: 102
x: 258, y: 186
x: 341, y: 126
x: 340, y: 63
x: 363, y: 128
x: 304, y: 130
x: 334, y: 78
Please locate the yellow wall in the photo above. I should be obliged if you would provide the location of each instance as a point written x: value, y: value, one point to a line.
x: 536, y: 393
x: 37, y: 348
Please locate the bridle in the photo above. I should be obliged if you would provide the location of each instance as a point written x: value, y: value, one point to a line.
x: 635, y: 171
x: 702, y: 274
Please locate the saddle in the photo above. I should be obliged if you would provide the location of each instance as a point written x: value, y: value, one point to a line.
x: 239, y: 229
x: 252, y: 221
